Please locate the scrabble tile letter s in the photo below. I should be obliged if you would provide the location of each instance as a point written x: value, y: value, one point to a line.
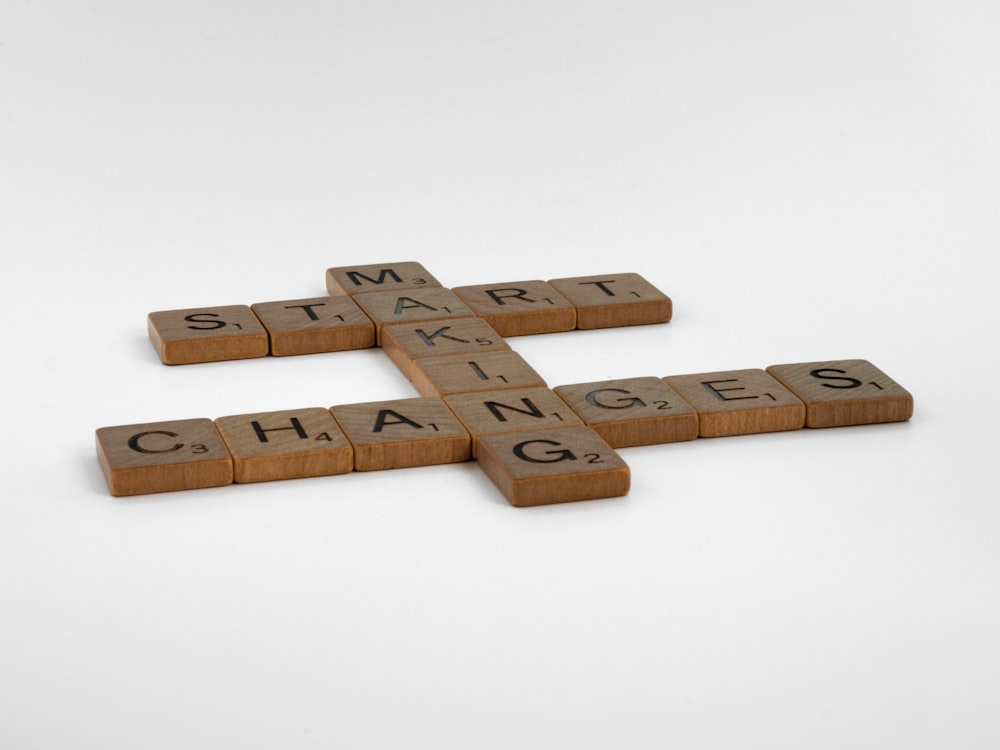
x: 207, y: 334
x: 845, y: 392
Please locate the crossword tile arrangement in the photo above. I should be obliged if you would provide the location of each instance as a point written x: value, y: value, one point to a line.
x: 478, y: 398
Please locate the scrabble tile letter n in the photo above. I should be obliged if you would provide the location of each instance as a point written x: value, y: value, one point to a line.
x: 207, y: 334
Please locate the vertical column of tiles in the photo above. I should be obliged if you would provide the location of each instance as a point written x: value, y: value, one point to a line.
x: 613, y: 300
x: 406, y: 343
x: 378, y: 277
x: 207, y: 334
x: 402, y: 433
x: 520, y: 308
x: 286, y: 444
x: 314, y: 325
x: 183, y: 454
x: 514, y: 410
x: 411, y: 306
x: 845, y: 392
x: 633, y: 411
x: 561, y: 465
x: 477, y: 371
x: 739, y: 402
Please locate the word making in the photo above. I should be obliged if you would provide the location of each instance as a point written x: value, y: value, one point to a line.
x: 478, y: 399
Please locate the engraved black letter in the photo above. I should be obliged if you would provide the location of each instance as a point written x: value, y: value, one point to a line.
x: 356, y: 277
x: 850, y: 382
x: 133, y: 442
x: 308, y: 309
x: 600, y: 285
x: 717, y: 392
x: 623, y: 403
x: 440, y: 332
x: 193, y: 318
x: 531, y: 411
x: 381, y: 420
x: 400, y: 305
x: 517, y: 294
x: 262, y: 433
x: 563, y: 455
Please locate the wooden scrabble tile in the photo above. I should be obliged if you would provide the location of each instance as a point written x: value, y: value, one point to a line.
x: 558, y: 465
x: 286, y: 445
x: 207, y: 334
x: 406, y: 343
x: 521, y: 307
x: 183, y: 454
x: 479, y: 371
x: 739, y: 402
x: 634, y: 411
x: 318, y: 324
x: 845, y: 392
x: 514, y: 410
x: 378, y: 277
x: 612, y: 300
x: 411, y: 306
x: 403, y: 433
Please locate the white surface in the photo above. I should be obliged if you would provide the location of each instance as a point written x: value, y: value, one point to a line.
x: 805, y: 182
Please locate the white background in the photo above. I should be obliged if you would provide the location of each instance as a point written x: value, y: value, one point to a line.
x: 805, y: 180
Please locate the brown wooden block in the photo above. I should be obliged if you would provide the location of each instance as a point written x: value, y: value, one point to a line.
x: 479, y: 371
x: 520, y: 308
x: 183, y: 454
x: 406, y: 343
x: 411, y: 306
x: 845, y: 392
x: 378, y: 277
x: 558, y: 465
x: 207, y: 334
x: 633, y: 411
x: 514, y: 410
x: 403, y: 433
x: 286, y: 445
x: 317, y: 324
x: 739, y: 402
x: 612, y: 300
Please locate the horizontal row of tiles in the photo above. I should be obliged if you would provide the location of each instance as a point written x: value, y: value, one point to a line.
x: 345, y: 321
x: 537, y: 445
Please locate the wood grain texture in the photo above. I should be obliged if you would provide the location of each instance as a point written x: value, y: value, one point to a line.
x: 513, y: 410
x: 403, y: 433
x: 843, y: 392
x: 378, y: 277
x: 207, y: 334
x: 613, y: 300
x: 632, y: 411
x: 182, y: 454
x: 314, y: 325
x: 479, y: 371
x: 520, y: 308
x: 739, y: 402
x: 405, y: 343
x: 410, y: 306
x: 559, y: 465
x: 287, y: 444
